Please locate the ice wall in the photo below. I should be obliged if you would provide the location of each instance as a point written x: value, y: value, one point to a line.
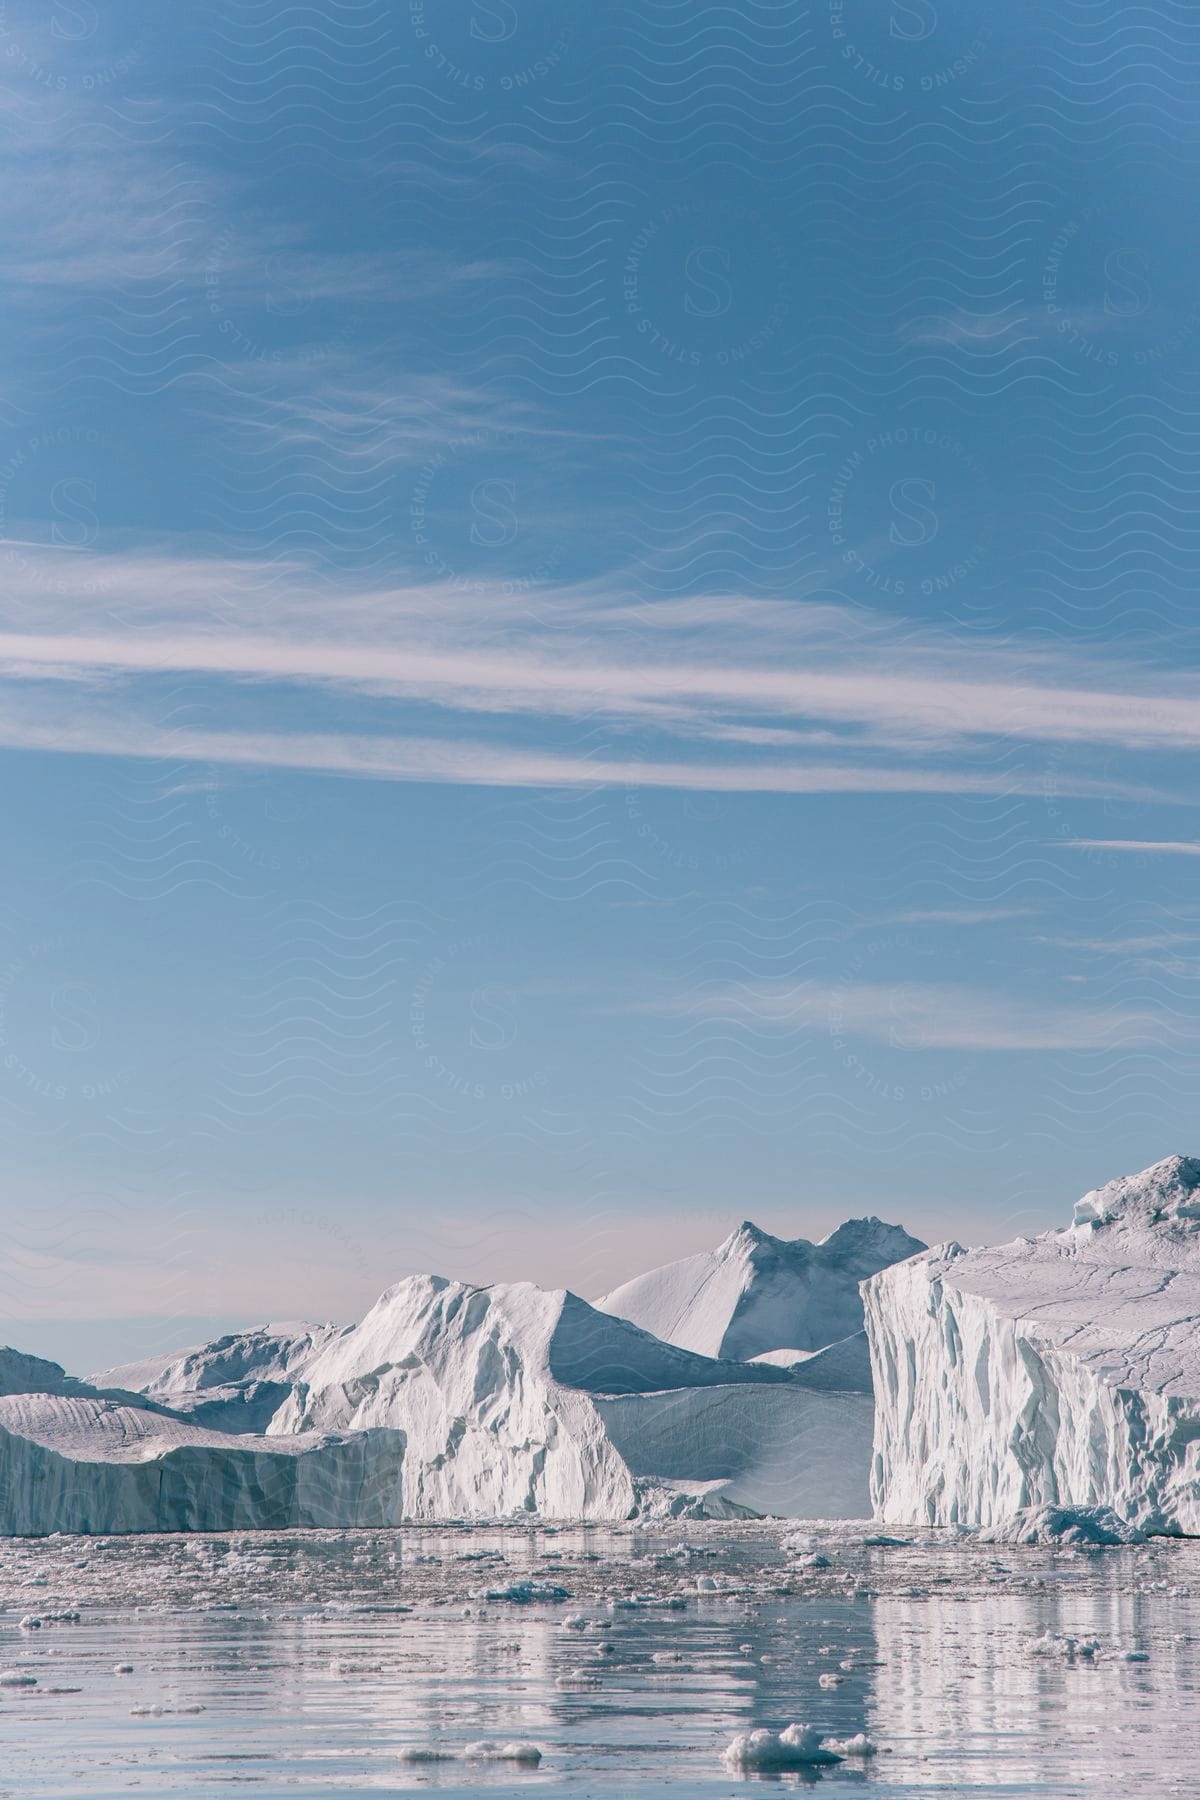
x: 1055, y: 1370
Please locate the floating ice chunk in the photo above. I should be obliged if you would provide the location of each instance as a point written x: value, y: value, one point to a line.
x: 796, y: 1747
x: 1056, y: 1643
x: 16, y: 1678
x: 425, y: 1753
x: 858, y: 1745
x: 830, y: 1681
x: 522, y: 1593
x: 123, y: 1669
x: 638, y: 1602
x: 31, y: 1622
x: 813, y: 1561
x: 1095, y: 1526
x: 484, y: 1750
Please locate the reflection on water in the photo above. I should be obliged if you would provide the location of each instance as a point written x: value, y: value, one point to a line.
x: 318, y: 1663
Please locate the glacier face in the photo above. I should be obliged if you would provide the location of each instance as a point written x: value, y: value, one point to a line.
x: 756, y: 1293
x: 1058, y: 1370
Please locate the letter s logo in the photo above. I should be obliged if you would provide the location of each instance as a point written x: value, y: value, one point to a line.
x: 74, y: 23
x: 500, y: 16
x: 709, y: 291
x: 76, y: 1027
x: 913, y: 20
x: 495, y: 523
x: 72, y: 499
x: 495, y: 1026
x: 912, y: 502
x: 1127, y: 294
x: 910, y: 1011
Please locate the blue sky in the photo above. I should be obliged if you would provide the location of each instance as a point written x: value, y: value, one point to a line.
x: 598, y: 637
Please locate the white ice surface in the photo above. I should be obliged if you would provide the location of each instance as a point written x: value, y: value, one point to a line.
x: 92, y: 1464
x: 236, y: 1383
x: 1062, y: 1370
x: 758, y: 1293
x: 518, y: 1399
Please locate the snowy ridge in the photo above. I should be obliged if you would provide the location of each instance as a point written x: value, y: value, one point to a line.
x: 236, y: 1383
x: 22, y: 1374
x: 1059, y: 1370
x: 757, y: 1293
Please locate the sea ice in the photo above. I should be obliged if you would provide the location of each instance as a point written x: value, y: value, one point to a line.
x: 796, y: 1747
x: 1085, y: 1525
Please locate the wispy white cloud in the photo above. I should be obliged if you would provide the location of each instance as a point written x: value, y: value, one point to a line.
x: 1137, y: 846
x: 860, y: 702
x: 914, y: 1016
x: 962, y: 915
x: 389, y: 757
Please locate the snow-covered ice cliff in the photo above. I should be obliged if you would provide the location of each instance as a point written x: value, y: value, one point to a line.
x: 757, y: 1293
x: 514, y: 1398
x: 92, y: 1463
x: 1061, y: 1369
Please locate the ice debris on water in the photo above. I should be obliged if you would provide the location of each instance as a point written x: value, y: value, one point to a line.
x: 518, y: 1751
x: 795, y: 1747
x: 523, y: 1593
x: 858, y: 1745
x: 1096, y: 1527
x: 1056, y: 1643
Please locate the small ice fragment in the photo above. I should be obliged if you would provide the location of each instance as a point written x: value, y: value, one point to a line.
x: 858, y: 1745
x: 16, y: 1678
x: 517, y: 1751
x: 522, y: 1593
x: 830, y: 1681
x: 796, y: 1747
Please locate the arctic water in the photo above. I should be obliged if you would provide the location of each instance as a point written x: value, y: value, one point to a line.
x: 326, y: 1662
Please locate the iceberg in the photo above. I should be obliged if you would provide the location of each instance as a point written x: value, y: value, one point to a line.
x: 1060, y: 1371
x: 517, y: 1399
x: 756, y: 1293
x: 448, y: 1401
x: 90, y: 1462
x: 236, y: 1383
